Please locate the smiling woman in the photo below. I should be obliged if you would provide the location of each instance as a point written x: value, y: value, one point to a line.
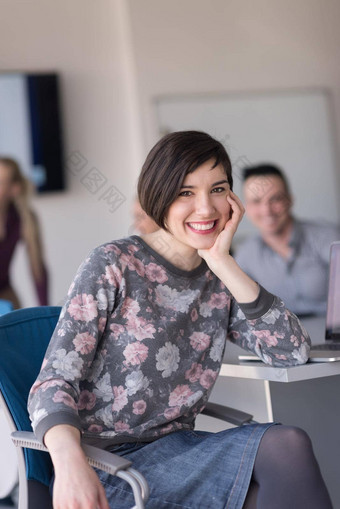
x: 140, y: 343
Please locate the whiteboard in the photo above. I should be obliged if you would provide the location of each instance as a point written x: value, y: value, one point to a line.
x: 293, y: 129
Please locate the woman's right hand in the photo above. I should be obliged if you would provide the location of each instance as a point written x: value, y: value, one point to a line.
x: 76, y: 484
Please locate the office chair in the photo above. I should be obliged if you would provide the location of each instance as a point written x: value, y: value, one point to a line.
x: 24, y: 336
x: 5, y: 306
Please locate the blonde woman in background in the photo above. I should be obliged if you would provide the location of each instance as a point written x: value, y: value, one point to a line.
x: 18, y: 222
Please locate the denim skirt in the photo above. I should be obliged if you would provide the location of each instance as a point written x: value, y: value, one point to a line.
x: 190, y: 469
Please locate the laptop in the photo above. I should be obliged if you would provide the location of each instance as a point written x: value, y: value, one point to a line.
x: 329, y: 350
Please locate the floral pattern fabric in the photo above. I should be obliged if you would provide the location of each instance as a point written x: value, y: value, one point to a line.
x: 139, y: 345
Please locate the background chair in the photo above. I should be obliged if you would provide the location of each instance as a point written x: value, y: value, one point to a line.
x: 24, y: 336
x: 5, y: 306
x: 6, y: 485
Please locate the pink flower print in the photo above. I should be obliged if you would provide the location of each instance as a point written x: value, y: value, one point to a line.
x: 121, y: 426
x: 155, y: 272
x: 166, y: 430
x: 199, y: 341
x: 264, y: 335
x: 111, y: 247
x: 120, y: 398
x: 87, y: 400
x: 281, y: 357
x: 84, y: 343
x: 135, y: 353
x: 66, y: 399
x: 288, y: 315
x: 130, y: 308
x: 180, y: 395
x: 117, y: 329
x: 101, y: 324
x: 113, y: 275
x: 219, y: 300
x: 208, y: 377
x: 51, y: 383
x: 124, y: 260
x: 140, y: 329
x: 44, y: 362
x: 294, y: 340
x: 35, y: 386
x: 132, y: 248
x: 194, y: 315
x: 234, y: 334
x: 171, y: 413
x: 83, y: 307
x: 139, y: 407
x: 46, y: 385
x: 94, y: 428
x: 132, y: 263
x: 194, y: 373
x: 137, y: 265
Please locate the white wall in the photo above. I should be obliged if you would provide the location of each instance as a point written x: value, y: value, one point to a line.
x: 87, y: 42
x: 196, y: 46
x: 182, y: 46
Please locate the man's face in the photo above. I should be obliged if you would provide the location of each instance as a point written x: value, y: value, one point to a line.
x: 267, y: 203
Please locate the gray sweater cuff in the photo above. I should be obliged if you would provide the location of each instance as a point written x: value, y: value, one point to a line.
x: 53, y: 420
x: 258, y: 307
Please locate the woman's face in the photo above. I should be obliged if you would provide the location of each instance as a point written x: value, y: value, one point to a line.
x: 201, y: 209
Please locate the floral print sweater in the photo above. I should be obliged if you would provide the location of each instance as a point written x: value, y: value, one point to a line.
x: 140, y: 342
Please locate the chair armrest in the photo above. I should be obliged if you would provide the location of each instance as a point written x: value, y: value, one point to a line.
x: 103, y: 460
x: 227, y: 414
x: 27, y: 439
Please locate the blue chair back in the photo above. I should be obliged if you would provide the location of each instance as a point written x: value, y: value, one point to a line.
x: 5, y: 306
x: 24, y: 337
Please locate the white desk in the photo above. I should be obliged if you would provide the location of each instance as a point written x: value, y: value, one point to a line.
x: 306, y: 396
x: 259, y: 371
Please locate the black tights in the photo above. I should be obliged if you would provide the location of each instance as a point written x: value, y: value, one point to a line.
x: 286, y: 474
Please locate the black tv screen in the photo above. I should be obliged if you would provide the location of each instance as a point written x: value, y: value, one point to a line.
x: 31, y: 127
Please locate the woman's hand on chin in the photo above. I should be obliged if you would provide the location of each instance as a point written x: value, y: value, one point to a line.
x: 221, y: 247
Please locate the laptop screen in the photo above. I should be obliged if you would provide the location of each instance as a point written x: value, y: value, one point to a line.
x: 333, y: 302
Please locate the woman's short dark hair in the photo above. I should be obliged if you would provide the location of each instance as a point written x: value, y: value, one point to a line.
x: 169, y: 161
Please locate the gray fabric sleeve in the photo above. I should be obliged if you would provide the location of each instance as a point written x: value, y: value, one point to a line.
x: 53, y: 420
x: 258, y: 307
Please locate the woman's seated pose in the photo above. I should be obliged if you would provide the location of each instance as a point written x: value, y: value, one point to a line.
x: 139, y: 345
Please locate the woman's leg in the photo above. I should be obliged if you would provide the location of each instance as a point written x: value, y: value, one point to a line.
x: 286, y: 473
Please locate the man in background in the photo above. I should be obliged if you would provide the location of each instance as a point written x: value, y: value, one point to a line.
x: 289, y: 256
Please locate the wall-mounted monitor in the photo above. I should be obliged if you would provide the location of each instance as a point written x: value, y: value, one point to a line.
x: 31, y: 127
